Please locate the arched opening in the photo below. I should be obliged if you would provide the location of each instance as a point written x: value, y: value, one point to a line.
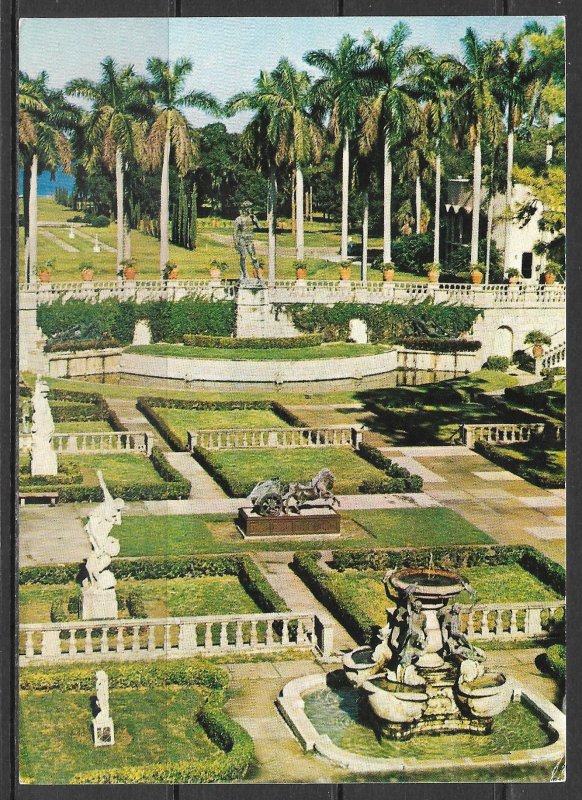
x: 503, y: 345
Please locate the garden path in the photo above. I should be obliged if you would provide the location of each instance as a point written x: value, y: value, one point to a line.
x: 203, y: 486
x: 329, y: 253
x: 134, y: 420
x: 102, y: 245
x: 64, y: 245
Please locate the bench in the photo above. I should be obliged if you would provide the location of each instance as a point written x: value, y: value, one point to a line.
x: 38, y: 497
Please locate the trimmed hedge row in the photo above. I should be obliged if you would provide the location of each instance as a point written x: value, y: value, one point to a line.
x: 539, y: 397
x: 439, y: 344
x: 401, y: 479
x: 70, y: 406
x: 123, y: 675
x: 360, y: 625
x: 81, y: 344
x: 539, y: 477
x: 556, y: 661
x: 231, y: 343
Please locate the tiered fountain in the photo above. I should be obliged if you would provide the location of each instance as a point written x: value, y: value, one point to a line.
x: 424, y: 676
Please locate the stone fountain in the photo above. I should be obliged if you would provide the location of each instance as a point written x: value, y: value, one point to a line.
x: 424, y: 676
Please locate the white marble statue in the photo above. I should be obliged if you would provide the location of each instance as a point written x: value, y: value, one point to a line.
x: 102, y: 692
x: 43, y: 459
x: 104, y: 547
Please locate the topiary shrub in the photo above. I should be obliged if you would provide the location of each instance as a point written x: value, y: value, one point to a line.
x: 499, y: 363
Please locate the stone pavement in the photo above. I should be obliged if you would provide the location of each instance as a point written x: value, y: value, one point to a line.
x: 204, y: 488
x: 134, y: 420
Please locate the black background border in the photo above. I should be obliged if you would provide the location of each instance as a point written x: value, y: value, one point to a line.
x: 10, y: 12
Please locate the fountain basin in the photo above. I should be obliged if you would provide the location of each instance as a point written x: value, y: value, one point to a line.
x: 436, y: 585
x: 394, y: 702
x: 486, y: 696
x: 359, y: 665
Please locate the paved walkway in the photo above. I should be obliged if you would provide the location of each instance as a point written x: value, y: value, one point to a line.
x: 204, y: 488
x: 63, y: 245
x: 91, y: 238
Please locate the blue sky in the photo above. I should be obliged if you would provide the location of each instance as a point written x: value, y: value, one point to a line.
x: 227, y: 52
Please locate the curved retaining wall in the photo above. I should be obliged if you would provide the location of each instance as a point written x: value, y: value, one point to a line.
x: 203, y: 369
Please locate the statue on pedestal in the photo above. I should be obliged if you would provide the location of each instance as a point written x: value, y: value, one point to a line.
x: 102, y: 722
x: 244, y: 226
x: 43, y: 459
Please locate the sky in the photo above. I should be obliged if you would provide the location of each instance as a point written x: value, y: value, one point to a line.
x: 227, y: 53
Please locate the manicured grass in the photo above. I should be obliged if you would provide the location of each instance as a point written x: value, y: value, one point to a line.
x: 119, y: 468
x: 242, y: 470
x: 400, y: 528
x: 182, y: 420
x: 541, y: 465
x: 173, y: 597
x: 324, y: 351
x: 186, y: 535
x: 152, y: 725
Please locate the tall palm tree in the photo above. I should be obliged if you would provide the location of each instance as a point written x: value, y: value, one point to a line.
x: 171, y: 130
x: 392, y: 109
x: 476, y: 82
x: 260, y: 139
x: 114, y: 128
x: 44, y: 117
x: 340, y: 90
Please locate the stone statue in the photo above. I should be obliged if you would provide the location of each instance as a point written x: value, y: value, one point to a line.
x: 455, y: 641
x: 415, y: 638
x: 98, y: 594
x: 244, y: 226
x: 43, y: 459
x: 103, y: 732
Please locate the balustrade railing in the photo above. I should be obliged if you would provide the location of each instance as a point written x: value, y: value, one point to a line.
x: 105, y: 442
x: 140, y: 290
x: 172, y: 637
x: 282, y: 438
x: 509, y: 433
x: 512, y: 620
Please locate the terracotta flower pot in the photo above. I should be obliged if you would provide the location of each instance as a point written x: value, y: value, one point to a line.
x: 549, y: 278
x: 44, y: 276
x: 476, y: 276
x: 129, y: 273
x: 537, y: 350
x: 215, y: 274
x: 388, y: 275
x: 87, y: 274
x: 300, y: 273
x: 345, y: 273
x: 513, y: 280
x: 173, y: 274
x: 433, y: 276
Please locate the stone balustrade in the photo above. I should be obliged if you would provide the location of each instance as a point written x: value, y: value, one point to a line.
x: 554, y: 357
x: 173, y: 637
x: 508, y: 433
x: 511, y: 620
x: 95, y: 442
x: 280, y: 438
x: 312, y: 291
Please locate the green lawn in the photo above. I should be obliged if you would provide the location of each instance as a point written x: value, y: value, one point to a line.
x: 181, y: 420
x: 119, y: 468
x: 175, y: 597
x: 243, y: 469
x: 189, y: 535
x: 543, y: 465
x: 331, y: 350
x: 152, y: 725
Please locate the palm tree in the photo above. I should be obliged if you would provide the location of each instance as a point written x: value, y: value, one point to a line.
x: 171, y: 130
x: 44, y: 116
x: 476, y: 82
x: 340, y: 92
x: 392, y: 110
x: 114, y: 127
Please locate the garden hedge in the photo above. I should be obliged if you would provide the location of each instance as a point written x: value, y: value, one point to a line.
x: 231, y: 343
x: 73, y: 406
x: 402, y: 479
x: 536, y: 475
x: 439, y: 344
x: 556, y: 661
x: 81, y: 344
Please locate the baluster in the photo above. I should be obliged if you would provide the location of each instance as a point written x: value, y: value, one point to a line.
x: 254, y: 640
x: 300, y: 632
x: 167, y: 642
x: 269, y: 634
x: 335, y: 437
x: 88, y: 641
x: 29, y: 645
x: 72, y: 643
x: 513, y: 622
x: 151, y: 638
x: 485, y: 623
x: 285, y: 633
x: 470, y: 625
x: 498, y: 623
x: 120, y: 645
x: 135, y: 638
x: 223, y: 635
x: 104, y: 642
x: 208, y: 636
x: 239, y: 641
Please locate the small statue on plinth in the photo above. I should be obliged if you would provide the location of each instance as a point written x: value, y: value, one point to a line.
x: 103, y: 731
x: 244, y: 226
x: 98, y: 599
x: 43, y: 459
x: 271, y: 498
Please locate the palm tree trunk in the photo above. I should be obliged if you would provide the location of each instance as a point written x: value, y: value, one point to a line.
x: 120, y: 215
x: 299, y: 213
x: 508, y: 195
x: 345, y: 191
x: 489, y: 233
x: 33, y: 220
x: 127, y: 240
x: 365, y: 214
x: 310, y: 203
x: 387, y: 251
x: 437, y: 211
x: 418, y: 202
x: 272, y: 224
x: 165, y: 204
x: 293, y: 227
x: 476, y: 203
x: 26, y: 198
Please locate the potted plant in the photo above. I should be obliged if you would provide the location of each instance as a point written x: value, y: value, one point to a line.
x: 388, y: 271
x: 170, y: 271
x: 217, y: 268
x: 300, y: 270
x: 538, y: 339
x: 44, y: 271
x: 552, y: 270
x: 345, y: 270
x: 512, y: 276
x: 477, y: 273
x: 86, y: 270
x: 129, y: 269
x: 433, y: 271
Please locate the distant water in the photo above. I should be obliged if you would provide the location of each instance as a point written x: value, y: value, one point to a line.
x: 46, y: 185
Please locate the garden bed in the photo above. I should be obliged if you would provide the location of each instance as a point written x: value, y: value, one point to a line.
x: 542, y: 465
x: 309, y: 353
